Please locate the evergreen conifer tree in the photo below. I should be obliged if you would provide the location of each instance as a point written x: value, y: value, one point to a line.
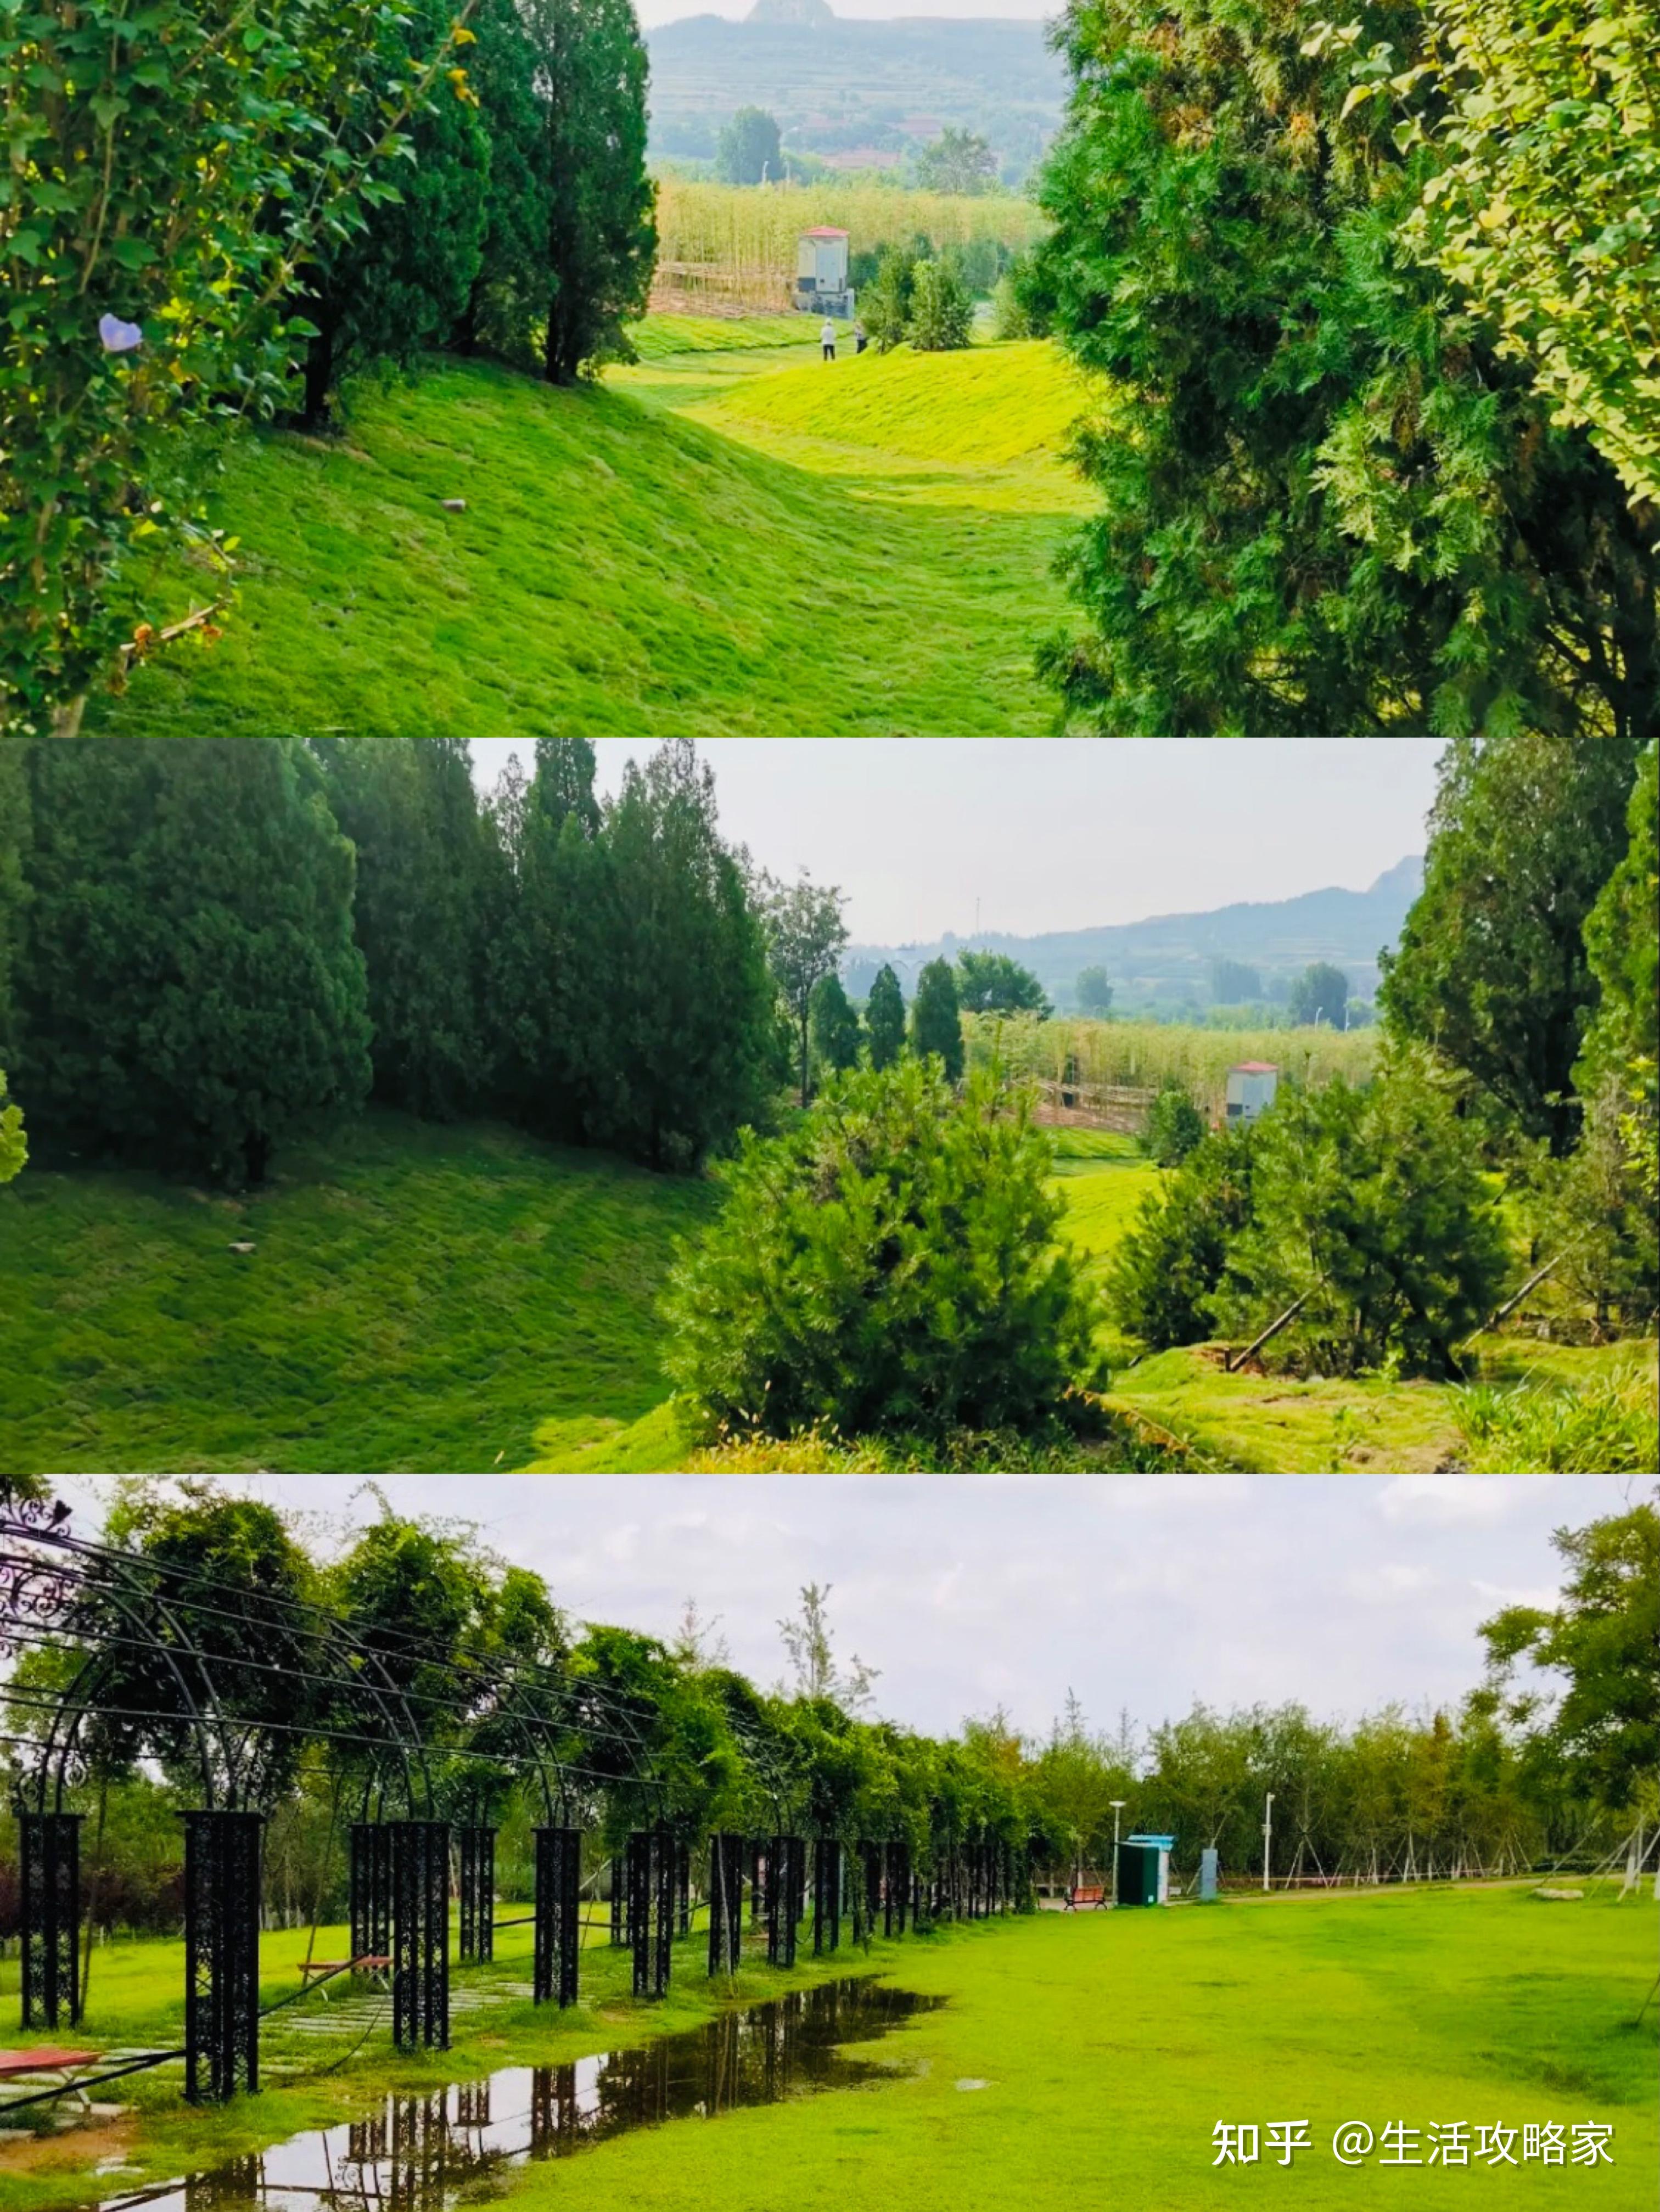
x: 833, y: 1021
x: 936, y: 1019
x: 885, y: 1018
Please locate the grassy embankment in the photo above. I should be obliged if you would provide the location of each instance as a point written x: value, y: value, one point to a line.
x: 1078, y: 2059
x: 728, y: 537
x: 434, y: 1298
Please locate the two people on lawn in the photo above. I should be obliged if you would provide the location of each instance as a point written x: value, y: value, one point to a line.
x: 827, y: 338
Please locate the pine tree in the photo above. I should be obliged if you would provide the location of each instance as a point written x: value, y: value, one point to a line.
x: 602, y: 235
x: 936, y: 1019
x: 421, y: 912
x: 885, y: 1018
x: 188, y: 990
x: 506, y: 298
x: 834, y: 1022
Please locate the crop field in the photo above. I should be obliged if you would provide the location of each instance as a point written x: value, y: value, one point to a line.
x: 1075, y: 2059
x: 1144, y: 1054
x: 679, y: 550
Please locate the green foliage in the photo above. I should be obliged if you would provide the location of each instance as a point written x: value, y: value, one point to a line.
x: 428, y: 888
x: 747, y: 151
x: 1320, y: 993
x: 1546, y: 207
x: 400, y: 280
x: 956, y: 162
x: 14, y: 1145
x: 507, y: 299
x: 1622, y: 1050
x: 992, y: 983
x: 1094, y: 992
x: 1335, y: 508
x: 1169, y: 1267
x: 885, y: 1018
x: 834, y: 1022
x: 804, y: 934
x: 1370, y: 1207
x: 1607, y: 1427
x: 1175, y: 1126
x: 884, y: 304
x: 1233, y: 984
x: 936, y: 1019
x: 941, y: 311
x: 1021, y: 306
x: 1492, y: 967
x: 188, y: 990
x: 1605, y: 1637
x: 886, y: 1265
x: 170, y: 171
x: 602, y: 238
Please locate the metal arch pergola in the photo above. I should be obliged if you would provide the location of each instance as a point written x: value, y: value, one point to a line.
x: 112, y: 1614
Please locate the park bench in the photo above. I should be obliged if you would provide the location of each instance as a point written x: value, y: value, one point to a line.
x: 1078, y: 1899
x: 62, y: 2068
x: 371, y: 1962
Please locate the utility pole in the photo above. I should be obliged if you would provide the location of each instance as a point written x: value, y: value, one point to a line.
x: 1118, y: 1805
x: 1267, y: 1833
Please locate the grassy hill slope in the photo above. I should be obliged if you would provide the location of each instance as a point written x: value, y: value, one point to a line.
x: 625, y: 567
x: 417, y: 1297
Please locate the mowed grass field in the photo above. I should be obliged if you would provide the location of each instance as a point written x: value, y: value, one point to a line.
x: 417, y: 1297
x: 432, y: 1298
x: 686, y: 548
x: 1083, y: 2060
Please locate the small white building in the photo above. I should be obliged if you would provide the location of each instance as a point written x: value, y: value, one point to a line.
x: 821, y: 273
x: 1251, y: 1086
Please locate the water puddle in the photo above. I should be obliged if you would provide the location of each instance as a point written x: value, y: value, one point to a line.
x: 425, y: 2154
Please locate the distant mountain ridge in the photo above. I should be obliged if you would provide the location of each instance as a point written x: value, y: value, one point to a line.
x: 1168, y: 956
x: 835, y: 84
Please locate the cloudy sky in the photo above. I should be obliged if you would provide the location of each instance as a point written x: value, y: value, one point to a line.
x: 1035, y: 833
x: 1137, y: 1592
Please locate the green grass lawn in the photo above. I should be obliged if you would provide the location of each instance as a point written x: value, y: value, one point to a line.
x: 417, y: 1297
x: 681, y: 550
x: 424, y: 1298
x: 1084, y: 2060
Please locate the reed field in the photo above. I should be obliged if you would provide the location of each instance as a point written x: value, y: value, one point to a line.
x: 1143, y: 1056
x: 733, y: 245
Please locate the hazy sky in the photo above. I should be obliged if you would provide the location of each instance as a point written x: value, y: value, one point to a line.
x: 653, y: 12
x: 972, y: 1592
x: 1056, y: 833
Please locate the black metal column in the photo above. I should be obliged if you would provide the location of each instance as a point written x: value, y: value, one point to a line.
x: 478, y: 1932
x: 897, y: 1890
x: 826, y: 1895
x: 619, y: 1908
x: 652, y: 1857
x: 371, y: 1890
x: 222, y: 1954
x: 420, y: 1933
x: 49, y: 1916
x: 726, y: 1902
x: 786, y: 1897
x: 682, y: 1887
x: 559, y: 1909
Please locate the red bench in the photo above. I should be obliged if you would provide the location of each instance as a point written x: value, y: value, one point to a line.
x: 320, y: 1969
x: 20, y: 2065
x: 1077, y: 1899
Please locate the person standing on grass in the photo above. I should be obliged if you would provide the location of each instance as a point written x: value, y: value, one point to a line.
x: 827, y: 339
x: 860, y: 340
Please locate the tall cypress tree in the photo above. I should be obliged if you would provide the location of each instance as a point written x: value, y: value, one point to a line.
x: 936, y: 1018
x: 602, y: 233
x: 421, y: 912
x: 885, y: 1018
x: 508, y: 294
x: 188, y: 990
x: 833, y: 1021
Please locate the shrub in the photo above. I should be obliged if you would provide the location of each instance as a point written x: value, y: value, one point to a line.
x: 1174, y: 1128
x: 1168, y: 1266
x: 1605, y: 1427
x: 1370, y: 1207
x: 941, y: 313
x: 888, y: 1264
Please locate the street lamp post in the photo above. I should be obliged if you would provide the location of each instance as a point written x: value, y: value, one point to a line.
x: 1268, y: 1832
x: 1118, y: 1805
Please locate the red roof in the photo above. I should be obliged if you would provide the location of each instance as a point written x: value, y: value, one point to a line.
x: 824, y: 231
x: 1253, y: 1067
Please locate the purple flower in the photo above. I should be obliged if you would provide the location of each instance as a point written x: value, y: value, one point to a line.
x: 119, y: 337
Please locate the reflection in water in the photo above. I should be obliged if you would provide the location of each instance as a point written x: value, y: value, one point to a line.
x: 421, y: 2154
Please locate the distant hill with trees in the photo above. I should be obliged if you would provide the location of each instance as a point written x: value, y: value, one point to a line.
x: 839, y: 86
x: 1171, y: 957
